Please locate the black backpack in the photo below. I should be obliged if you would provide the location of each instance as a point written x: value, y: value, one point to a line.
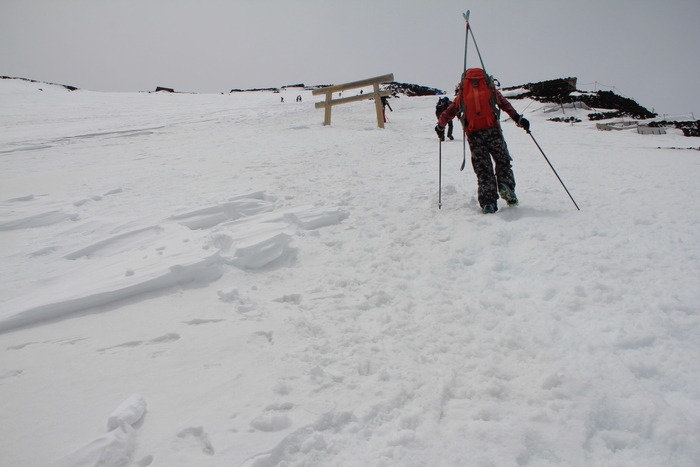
x: 442, y: 104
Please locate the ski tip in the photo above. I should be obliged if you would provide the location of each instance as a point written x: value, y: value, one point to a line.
x: 466, y: 16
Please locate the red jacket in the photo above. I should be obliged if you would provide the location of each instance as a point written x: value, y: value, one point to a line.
x: 451, y: 112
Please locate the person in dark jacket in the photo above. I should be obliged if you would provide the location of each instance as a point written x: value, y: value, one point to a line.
x: 486, y: 144
x: 385, y: 104
x: 442, y: 104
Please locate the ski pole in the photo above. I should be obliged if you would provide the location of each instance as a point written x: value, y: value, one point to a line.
x: 464, y: 73
x: 555, y: 172
x: 464, y: 149
x: 439, y: 174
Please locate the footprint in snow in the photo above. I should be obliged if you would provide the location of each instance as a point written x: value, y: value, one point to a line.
x: 195, y: 438
x: 11, y: 374
x: 273, y: 418
x: 21, y: 346
x: 261, y: 338
x: 292, y: 298
x: 197, y: 321
x: 170, y: 337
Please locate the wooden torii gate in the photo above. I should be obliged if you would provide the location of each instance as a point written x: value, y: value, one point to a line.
x: 377, y: 95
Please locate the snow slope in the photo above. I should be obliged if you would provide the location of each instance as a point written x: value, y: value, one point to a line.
x: 219, y: 280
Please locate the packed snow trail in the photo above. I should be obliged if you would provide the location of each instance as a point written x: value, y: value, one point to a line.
x: 358, y: 324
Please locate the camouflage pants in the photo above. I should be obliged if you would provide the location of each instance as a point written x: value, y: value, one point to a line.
x: 484, y: 145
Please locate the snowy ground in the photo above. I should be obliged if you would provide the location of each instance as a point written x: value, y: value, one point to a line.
x: 219, y: 280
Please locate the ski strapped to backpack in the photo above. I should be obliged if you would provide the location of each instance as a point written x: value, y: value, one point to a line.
x: 461, y: 85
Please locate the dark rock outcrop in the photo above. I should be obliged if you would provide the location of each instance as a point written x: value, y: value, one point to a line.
x: 256, y: 89
x: 410, y: 90
x: 563, y: 91
x: 690, y: 128
x: 553, y: 90
x: 70, y: 88
x: 622, y: 106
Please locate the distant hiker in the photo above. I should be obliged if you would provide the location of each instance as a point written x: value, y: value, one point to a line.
x: 298, y: 98
x: 442, y: 104
x: 385, y: 103
x: 480, y: 101
x: 281, y: 99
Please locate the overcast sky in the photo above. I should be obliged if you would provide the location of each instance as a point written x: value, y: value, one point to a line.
x: 646, y: 49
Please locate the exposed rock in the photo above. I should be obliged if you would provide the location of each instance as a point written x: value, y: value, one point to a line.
x: 560, y: 91
x: 565, y: 120
x: 70, y: 88
x: 623, y: 106
x: 546, y: 91
x: 411, y: 90
x: 691, y: 128
x: 255, y: 89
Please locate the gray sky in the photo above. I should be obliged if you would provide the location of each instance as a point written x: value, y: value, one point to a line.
x: 646, y: 49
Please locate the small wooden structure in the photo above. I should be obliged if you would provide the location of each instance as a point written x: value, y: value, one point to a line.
x: 377, y: 95
x: 641, y: 129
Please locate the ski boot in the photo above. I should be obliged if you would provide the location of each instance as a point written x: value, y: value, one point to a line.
x: 508, y: 194
x: 489, y: 208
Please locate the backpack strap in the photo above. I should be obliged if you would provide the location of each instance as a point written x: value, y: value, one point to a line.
x: 494, y: 104
x: 461, y: 115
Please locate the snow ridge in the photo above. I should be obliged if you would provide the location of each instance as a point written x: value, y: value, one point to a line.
x: 189, y: 247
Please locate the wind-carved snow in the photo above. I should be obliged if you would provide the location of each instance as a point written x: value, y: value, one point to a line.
x: 235, y: 208
x: 29, y: 211
x: 129, y: 412
x: 245, y: 231
x: 117, y: 446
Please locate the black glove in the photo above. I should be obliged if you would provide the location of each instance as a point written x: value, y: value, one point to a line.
x: 440, y: 130
x: 524, y: 123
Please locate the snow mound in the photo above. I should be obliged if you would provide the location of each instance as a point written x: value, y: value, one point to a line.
x: 115, y: 448
x: 128, y: 413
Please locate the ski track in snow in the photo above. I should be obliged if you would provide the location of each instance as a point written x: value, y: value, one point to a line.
x: 248, y: 287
